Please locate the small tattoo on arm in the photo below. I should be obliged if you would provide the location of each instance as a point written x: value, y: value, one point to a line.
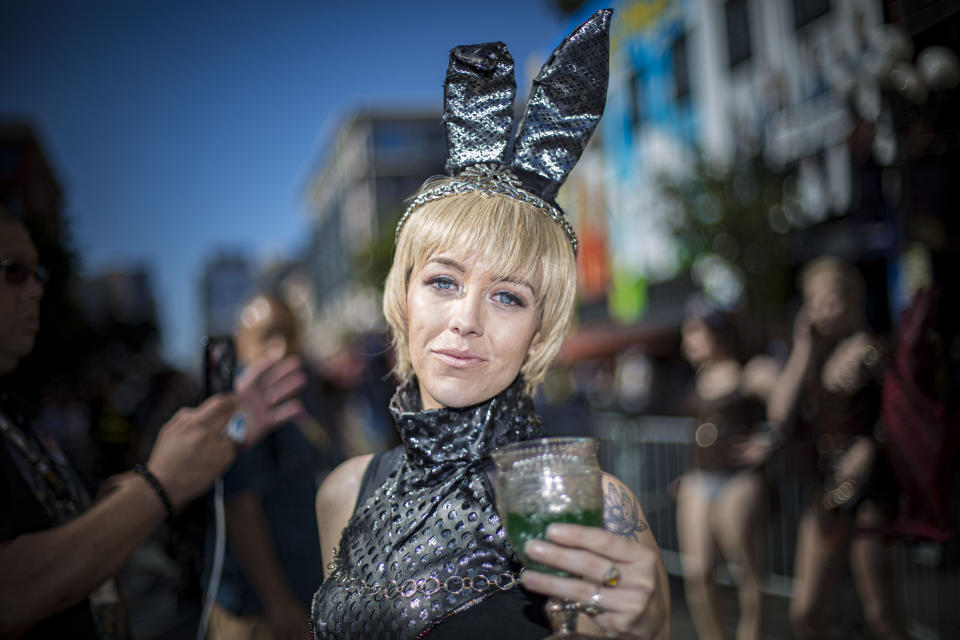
x: 621, y: 513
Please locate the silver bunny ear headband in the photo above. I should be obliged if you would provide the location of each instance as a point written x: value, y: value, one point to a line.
x: 565, y: 104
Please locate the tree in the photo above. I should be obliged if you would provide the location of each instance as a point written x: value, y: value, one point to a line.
x: 731, y: 224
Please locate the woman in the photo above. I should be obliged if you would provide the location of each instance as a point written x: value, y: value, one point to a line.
x: 722, y: 502
x: 479, y: 298
x: 831, y: 389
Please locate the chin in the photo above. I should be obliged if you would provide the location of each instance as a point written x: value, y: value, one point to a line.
x: 458, y: 393
x: 24, y: 347
x: 458, y: 399
x: 828, y: 329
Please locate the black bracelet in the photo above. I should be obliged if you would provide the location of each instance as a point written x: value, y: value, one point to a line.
x: 157, y: 488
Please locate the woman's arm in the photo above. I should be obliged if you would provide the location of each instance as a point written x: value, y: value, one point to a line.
x: 251, y: 541
x: 784, y: 397
x: 638, y: 605
x: 335, y: 502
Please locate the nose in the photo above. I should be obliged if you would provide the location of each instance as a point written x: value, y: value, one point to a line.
x: 467, y: 315
x: 33, y: 287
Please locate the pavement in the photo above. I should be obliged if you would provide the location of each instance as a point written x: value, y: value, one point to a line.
x: 776, y: 621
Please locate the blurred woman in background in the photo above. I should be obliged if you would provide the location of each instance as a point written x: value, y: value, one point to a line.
x: 830, y: 391
x: 722, y: 500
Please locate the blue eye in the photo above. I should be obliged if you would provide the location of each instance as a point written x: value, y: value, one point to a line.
x: 444, y: 283
x: 507, y: 298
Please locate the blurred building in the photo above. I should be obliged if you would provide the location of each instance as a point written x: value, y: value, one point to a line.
x: 227, y: 280
x: 375, y: 160
x: 809, y: 86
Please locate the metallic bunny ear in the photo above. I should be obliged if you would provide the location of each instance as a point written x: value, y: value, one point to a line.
x: 478, y: 105
x: 564, y: 107
x: 565, y: 104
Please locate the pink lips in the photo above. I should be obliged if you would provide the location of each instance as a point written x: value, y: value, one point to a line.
x: 457, y: 358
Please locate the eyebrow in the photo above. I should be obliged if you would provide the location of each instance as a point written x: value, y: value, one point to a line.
x: 448, y: 262
x: 453, y: 264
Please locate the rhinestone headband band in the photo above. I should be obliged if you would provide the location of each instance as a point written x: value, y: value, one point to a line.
x: 490, y: 179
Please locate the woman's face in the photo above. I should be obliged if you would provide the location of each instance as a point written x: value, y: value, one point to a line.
x: 19, y: 301
x: 468, y: 334
x: 827, y: 303
x: 264, y: 326
x: 697, y: 341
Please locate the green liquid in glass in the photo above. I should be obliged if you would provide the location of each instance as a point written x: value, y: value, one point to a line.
x: 523, y: 527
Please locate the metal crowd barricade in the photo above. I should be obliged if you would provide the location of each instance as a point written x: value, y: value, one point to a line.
x: 650, y: 453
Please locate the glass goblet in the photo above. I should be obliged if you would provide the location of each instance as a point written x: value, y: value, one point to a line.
x: 539, y: 482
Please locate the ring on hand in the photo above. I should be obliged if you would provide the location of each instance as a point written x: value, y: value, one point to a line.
x: 593, y: 607
x: 236, y: 428
x: 612, y: 577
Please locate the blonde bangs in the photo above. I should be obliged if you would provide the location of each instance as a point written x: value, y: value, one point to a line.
x: 522, y: 243
x: 454, y: 225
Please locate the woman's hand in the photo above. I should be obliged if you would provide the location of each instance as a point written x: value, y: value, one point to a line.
x: 844, y: 370
x: 751, y: 451
x: 617, y: 572
x: 759, y: 375
x: 267, y: 391
x: 855, y: 464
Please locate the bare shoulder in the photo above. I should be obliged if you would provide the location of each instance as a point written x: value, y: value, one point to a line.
x: 336, y: 498
x: 340, y: 488
x: 622, y: 513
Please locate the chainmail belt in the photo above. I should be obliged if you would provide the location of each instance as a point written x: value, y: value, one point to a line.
x: 428, y: 586
x: 428, y: 542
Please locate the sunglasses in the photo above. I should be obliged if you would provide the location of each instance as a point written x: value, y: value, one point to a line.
x: 17, y: 273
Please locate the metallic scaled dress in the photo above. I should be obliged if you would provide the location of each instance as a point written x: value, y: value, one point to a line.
x: 428, y: 543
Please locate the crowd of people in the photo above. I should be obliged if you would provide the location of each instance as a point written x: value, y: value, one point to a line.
x: 335, y: 539
x: 825, y: 405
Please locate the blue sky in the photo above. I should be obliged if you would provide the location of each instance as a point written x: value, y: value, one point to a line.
x: 179, y: 128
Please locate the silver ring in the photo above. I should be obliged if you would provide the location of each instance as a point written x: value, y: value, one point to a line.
x: 612, y: 577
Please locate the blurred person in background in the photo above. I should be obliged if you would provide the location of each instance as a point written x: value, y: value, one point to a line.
x: 722, y: 502
x: 830, y: 393
x: 273, y: 555
x: 359, y: 372
x: 59, y: 549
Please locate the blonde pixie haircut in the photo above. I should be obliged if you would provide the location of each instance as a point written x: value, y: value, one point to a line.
x: 519, y: 239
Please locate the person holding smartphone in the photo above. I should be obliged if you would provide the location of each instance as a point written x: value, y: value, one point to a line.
x: 60, y: 549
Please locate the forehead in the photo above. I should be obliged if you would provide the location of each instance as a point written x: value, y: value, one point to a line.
x: 827, y: 282
x: 15, y: 243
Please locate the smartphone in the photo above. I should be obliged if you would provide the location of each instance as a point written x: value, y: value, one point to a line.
x: 219, y: 364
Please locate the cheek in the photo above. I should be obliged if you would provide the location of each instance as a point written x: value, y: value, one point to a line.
x: 421, y: 323
x: 517, y: 341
